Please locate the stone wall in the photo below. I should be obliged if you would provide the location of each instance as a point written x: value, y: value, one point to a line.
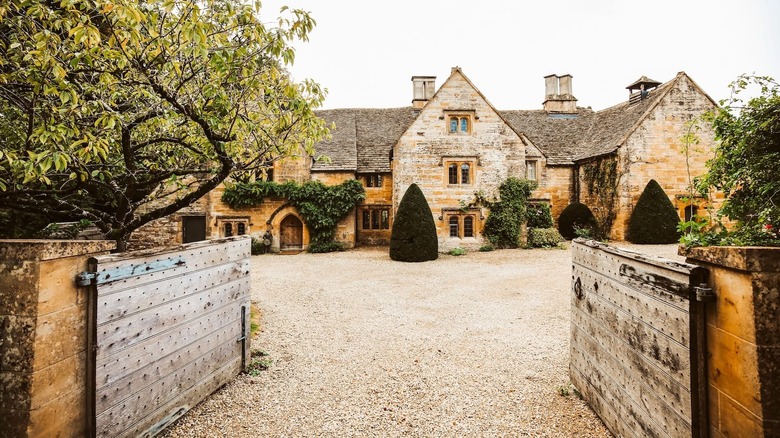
x: 743, y: 339
x: 43, y: 337
x: 655, y: 150
x: 376, y: 197
x: 421, y: 155
x: 555, y: 185
x: 168, y: 231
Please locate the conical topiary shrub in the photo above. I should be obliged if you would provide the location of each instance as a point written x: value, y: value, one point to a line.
x: 413, y: 238
x: 654, y: 219
x: 575, y: 215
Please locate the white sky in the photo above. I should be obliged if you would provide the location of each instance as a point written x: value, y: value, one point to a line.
x: 365, y: 52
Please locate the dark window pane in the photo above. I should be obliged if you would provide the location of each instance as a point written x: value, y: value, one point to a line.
x: 241, y: 228
x: 228, y: 230
x: 690, y: 212
x: 453, y: 173
x: 453, y: 124
x: 375, y: 220
x: 468, y: 226
x: 269, y: 174
x: 378, y: 181
x: 385, y: 219
x: 366, y: 219
x: 464, y: 174
x: 454, y: 227
x: 464, y: 124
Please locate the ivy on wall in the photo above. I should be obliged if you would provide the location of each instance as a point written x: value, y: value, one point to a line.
x: 320, y: 206
x: 601, y: 178
x: 508, y: 213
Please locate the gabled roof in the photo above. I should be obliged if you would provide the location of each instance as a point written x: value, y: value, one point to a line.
x: 586, y: 134
x: 362, y: 138
x: 556, y: 136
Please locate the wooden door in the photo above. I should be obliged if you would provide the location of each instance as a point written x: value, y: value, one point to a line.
x: 194, y: 228
x: 291, y: 233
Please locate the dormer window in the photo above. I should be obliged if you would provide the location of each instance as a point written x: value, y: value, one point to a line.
x: 460, y: 124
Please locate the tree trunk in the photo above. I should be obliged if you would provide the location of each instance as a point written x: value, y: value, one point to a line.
x: 121, y: 243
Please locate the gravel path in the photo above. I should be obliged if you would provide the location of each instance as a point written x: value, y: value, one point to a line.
x: 475, y: 345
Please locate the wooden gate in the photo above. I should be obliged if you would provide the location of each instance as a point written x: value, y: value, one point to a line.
x: 637, y: 341
x: 167, y: 329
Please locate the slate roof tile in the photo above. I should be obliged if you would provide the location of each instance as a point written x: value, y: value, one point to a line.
x: 364, y: 137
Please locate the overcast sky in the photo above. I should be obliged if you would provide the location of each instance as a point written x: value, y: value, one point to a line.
x: 365, y: 52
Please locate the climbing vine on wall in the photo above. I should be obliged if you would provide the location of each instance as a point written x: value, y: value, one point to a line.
x: 320, y: 206
x: 601, y: 180
x: 508, y: 213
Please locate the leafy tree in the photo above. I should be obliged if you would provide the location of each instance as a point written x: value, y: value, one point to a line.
x: 654, y: 219
x: 123, y: 112
x: 413, y: 238
x: 745, y: 163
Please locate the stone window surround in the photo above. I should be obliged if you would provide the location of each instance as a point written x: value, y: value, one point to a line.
x: 373, y: 180
x: 474, y: 213
x: 472, y: 161
x: 469, y: 115
x: 234, y: 222
x: 532, y: 161
x: 371, y: 209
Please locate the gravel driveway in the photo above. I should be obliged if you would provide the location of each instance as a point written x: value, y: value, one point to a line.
x: 475, y: 345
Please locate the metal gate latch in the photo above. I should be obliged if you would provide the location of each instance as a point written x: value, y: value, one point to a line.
x: 704, y: 293
x: 85, y: 278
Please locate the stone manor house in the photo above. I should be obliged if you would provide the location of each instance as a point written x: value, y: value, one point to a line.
x: 453, y: 143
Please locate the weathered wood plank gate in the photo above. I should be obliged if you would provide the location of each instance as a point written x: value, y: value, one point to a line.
x: 168, y: 329
x: 637, y: 341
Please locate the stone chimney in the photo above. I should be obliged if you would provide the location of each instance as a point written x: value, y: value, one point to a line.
x: 424, y: 87
x: 558, y: 95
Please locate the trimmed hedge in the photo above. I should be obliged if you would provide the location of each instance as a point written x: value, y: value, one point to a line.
x: 654, y: 219
x: 575, y: 214
x: 413, y: 238
x: 539, y: 216
x: 544, y: 237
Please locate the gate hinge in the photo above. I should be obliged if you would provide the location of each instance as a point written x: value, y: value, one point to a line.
x: 704, y: 293
x: 85, y: 278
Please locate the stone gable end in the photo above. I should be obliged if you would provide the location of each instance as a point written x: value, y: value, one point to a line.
x: 493, y: 150
x: 656, y: 149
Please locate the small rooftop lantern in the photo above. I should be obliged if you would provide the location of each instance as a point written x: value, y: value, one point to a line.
x: 643, y: 85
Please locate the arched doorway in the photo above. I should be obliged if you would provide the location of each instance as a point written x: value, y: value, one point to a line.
x: 291, y: 233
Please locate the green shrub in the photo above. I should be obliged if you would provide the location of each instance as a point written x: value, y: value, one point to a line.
x: 583, y: 232
x: 654, y: 219
x: 257, y: 247
x: 575, y: 215
x: 486, y: 248
x: 507, y: 215
x: 458, y: 251
x: 539, y: 216
x: 413, y: 238
x: 544, y: 237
